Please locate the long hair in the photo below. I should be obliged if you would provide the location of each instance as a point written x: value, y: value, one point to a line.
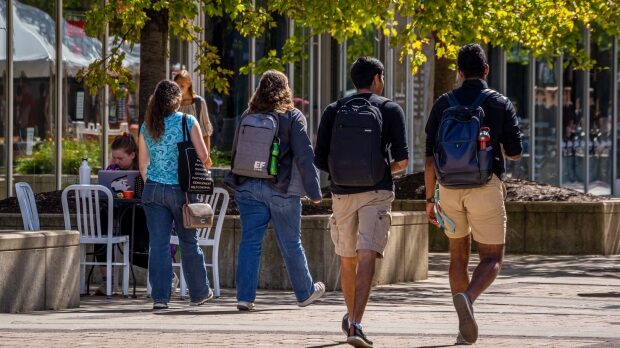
x: 164, y: 101
x: 127, y: 143
x: 184, y: 75
x: 272, y: 94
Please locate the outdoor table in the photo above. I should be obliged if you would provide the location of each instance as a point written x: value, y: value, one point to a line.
x: 124, y: 205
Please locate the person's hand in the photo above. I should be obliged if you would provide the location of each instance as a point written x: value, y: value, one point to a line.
x: 317, y: 201
x: 430, y: 214
x: 208, y: 162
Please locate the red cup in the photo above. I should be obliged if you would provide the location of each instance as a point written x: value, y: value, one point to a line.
x: 128, y: 194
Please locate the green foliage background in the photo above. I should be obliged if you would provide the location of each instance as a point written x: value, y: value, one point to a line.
x: 42, y: 160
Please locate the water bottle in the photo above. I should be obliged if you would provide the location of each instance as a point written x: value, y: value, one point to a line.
x: 84, y: 172
x: 273, y: 159
x: 484, y: 137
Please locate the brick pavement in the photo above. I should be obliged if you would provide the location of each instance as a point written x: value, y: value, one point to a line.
x: 538, y: 301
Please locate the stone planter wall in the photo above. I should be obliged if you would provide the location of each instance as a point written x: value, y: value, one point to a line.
x: 406, y: 255
x: 39, y: 270
x: 548, y: 227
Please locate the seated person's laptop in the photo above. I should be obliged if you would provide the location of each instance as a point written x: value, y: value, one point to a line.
x: 118, y: 180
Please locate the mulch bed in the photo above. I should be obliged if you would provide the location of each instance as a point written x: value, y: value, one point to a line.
x: 407, y: 187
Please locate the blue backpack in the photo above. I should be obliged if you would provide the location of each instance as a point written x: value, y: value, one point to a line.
x: 459, y: 163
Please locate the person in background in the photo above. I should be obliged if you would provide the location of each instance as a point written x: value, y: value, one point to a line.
x: 193, y: 104
x: 124, y: 153
x: 163, y: 198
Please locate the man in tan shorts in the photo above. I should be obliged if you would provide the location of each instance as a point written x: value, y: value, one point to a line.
x: 361, y: 182
x: 477, y: 211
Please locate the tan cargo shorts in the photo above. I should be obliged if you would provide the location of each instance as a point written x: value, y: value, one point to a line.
x: 361, y: 221
x: 479, y: 211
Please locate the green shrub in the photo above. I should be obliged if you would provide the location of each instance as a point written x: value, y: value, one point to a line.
x: 220, y: 158
x: 42, y: 160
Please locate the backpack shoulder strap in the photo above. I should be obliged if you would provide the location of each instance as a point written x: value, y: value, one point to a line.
x: 198, y: 105
x: 452, y: 99
x: 484, y: 94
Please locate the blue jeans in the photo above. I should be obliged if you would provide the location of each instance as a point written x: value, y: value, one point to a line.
x: 258, y: 203
x: 162, y: 205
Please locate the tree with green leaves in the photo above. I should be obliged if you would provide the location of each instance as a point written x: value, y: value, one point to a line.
x: 544, y: 28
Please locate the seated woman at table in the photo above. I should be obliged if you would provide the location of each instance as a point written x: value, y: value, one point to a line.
x: 124, y: 156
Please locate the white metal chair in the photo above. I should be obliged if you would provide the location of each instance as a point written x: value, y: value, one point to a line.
x: 89, y: 224
x: 206, y: 237
x: 27, y: 206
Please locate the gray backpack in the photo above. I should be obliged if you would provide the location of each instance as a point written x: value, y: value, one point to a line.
x: 252, y: 145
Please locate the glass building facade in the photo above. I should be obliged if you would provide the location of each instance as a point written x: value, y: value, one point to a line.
x: 48, y: 122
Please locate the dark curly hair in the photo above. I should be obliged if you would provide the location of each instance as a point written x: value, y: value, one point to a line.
x: 164, y: 101
x: 272, y: 94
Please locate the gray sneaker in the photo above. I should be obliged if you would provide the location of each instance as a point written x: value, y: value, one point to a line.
x: 202, y: 301
x: 245, y: 306
x: 467, y: 324
x: 319, y: 290
x: 460, y: 341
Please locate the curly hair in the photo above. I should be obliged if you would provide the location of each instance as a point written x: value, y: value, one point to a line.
x: 164, y: 101
x: 272, y: 94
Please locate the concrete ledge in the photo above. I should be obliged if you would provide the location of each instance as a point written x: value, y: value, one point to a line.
x: 39, y: 270
x: 406, y: 255
x: 549, y: 227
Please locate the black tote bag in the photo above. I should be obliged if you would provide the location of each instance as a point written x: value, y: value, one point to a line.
x: 193, y: 176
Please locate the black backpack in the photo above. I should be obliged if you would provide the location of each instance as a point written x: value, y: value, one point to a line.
x: 355, y: 156
x: 458, y: 161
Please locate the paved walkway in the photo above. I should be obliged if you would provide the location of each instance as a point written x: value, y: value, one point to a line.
x: 538, y: 301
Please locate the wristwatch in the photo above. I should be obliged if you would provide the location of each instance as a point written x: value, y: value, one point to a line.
x: 430, y: 200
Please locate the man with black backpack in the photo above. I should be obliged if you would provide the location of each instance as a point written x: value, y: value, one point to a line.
x: 468, y: 133
x: 357, y: 137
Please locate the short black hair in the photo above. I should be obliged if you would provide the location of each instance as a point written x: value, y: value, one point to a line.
x: 363, y: 71
x: 471, y: 60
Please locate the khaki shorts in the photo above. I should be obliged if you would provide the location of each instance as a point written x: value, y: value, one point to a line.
x: 479, y: 211
x: 361, y: 221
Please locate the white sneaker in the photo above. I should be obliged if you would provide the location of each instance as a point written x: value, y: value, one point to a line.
x: 175, y: 282
x: 319, y: 290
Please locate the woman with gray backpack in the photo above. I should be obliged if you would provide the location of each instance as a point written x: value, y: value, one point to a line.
x: 272, y: 168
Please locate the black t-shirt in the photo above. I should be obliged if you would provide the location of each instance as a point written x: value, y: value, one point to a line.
x: 499, y: 115
x: 393, y: 140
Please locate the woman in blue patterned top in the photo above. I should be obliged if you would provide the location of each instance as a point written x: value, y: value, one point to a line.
x: 163, y: 198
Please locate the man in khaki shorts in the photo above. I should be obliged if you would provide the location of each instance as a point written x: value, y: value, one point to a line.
x: 478, y: 211
x: 352, y: 145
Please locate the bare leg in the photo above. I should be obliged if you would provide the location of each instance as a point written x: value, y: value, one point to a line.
x: 491, y: 258
x: 363, y: 282
x: 459, y: 260
x: 348, y: 270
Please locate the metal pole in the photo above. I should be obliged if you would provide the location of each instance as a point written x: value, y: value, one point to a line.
x: 291, y: 66
x: 614, y: 123
x: 502, y: 72
x: 559, y: 65
x: 59, y: 94
x: 106, y: 99
x: 9, y: 99
x: 585, y: 109
x: 532, y: 111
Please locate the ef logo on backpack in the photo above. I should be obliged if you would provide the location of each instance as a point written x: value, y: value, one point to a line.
x: 459, y: 160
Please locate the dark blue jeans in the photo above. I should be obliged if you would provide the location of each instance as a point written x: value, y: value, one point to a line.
x: 258, y: 204
x: 162, y: 204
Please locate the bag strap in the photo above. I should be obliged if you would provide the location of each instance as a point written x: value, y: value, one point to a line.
x: 452, y: 100
x: 198, y: 105
x: 185, y: 128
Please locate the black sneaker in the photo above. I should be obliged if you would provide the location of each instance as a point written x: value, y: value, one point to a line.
x: 160, y: 305
x: 345, y: 324
x: 357, y: 338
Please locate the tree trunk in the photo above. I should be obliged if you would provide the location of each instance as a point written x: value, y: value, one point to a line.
x: 153, y: 49
x: 445, y: 77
